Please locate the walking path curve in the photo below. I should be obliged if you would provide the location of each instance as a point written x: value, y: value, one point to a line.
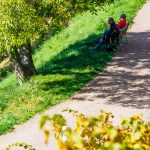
x: 123, y: 88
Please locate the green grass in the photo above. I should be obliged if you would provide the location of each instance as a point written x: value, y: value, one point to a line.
x: 64, y: 64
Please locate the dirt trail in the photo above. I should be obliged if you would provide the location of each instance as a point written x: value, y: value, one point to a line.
x: 123, y: 88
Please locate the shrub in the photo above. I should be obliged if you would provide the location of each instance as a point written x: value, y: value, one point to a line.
x: 21, y: 145
x: 95, y: 133
x: 99, y: 133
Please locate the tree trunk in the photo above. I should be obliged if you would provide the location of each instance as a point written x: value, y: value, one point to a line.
x: 26, y: 59
x: 17, y: 66
x: 22, y: 63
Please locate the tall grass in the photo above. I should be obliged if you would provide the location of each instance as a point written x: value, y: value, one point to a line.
x: 64, y: 63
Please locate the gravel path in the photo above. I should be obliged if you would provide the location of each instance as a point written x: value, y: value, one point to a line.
x: 123, y: 88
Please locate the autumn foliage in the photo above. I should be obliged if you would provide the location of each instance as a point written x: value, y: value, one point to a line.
x: 99, y: 133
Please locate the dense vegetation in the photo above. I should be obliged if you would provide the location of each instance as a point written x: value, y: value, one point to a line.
x: 98, y: 133
x: 95, y: 133
x: 64, y: 64
x: 23, y: 22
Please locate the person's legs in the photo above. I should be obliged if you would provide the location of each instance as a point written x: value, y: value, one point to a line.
x: 98, y: 39
x: 105, y: 34
x: 100, y: 44
x: 101, y: 40
x: 103, y: 37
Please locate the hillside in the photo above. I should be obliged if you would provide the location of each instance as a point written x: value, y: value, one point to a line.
x: 64, y: 63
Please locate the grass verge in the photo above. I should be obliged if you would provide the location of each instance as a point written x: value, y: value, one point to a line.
x: 64, y: 63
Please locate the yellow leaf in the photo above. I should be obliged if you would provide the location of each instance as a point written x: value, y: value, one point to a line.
x: 46, y: 134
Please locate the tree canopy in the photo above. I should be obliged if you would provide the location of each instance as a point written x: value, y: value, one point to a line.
x: 19, y: 23
x: 23, y: 22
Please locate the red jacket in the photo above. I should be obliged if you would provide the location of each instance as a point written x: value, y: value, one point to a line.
x: 122, y: 24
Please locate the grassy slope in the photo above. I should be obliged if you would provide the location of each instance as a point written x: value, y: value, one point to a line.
x: 64, y: 64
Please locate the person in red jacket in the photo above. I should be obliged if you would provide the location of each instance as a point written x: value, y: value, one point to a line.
x: 122, y: 22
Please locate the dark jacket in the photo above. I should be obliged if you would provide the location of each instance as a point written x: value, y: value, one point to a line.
x: 112, y: 28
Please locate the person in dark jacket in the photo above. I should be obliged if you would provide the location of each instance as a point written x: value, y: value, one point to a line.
x: 107, y: 33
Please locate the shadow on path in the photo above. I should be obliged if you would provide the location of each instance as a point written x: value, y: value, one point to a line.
x: 127, y: 80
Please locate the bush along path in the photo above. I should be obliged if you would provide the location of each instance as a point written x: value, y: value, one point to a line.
x: 122, y: 88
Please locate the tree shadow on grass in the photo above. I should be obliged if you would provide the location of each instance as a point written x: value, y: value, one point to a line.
x: 77, y: 58
x: 72, y: 68
x: 64, y: 74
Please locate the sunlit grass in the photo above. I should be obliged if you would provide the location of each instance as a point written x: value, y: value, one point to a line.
x: 64, y: 63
